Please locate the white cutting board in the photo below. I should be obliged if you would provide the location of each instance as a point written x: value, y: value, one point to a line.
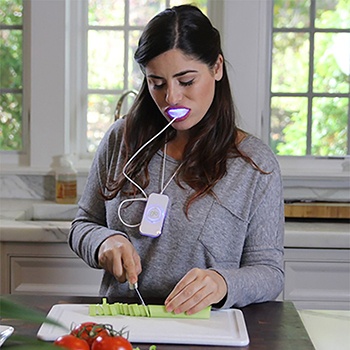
x: 224, y: 327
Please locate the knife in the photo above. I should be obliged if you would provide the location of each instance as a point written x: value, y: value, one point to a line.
x: 135, y: 287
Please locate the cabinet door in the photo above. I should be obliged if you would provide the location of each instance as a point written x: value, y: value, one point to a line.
x: 317, y: 278
x: 49, y: 269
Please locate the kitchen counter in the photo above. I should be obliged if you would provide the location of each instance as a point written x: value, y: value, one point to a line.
x: 272, y: 325
x: 43, y: 221
x: 34, y: 220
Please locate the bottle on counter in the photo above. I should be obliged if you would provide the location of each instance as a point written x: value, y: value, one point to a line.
x: 66, y: 181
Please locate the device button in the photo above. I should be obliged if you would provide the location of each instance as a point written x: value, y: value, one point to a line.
x: 154, y: 214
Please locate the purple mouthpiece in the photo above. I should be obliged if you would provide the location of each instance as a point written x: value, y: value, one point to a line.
x: 177, y: 112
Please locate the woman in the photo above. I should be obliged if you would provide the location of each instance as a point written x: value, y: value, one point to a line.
x: 221, y: 242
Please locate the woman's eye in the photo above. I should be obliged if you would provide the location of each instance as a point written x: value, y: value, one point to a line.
x: 186, y: 83
x: 158, y: 86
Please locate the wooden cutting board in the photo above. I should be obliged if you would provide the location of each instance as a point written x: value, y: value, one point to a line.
x: 317, y: 210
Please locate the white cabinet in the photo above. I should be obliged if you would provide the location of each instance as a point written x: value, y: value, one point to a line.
x: 45, y: 268
x: 317, y: 278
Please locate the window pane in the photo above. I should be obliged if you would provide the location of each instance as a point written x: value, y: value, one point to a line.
x: 106, y: 59
x: 10, y: 122
x: 332, y: 14
x: 291, y: 14
x: 135, y: 75
x: 11, y: 59
x: 141, y: 11
x: 290, y: 54
x: 330, y: 126
x: 332, y: 62
x: 106, y: 12
x: 11, y: 12
x: 100, y: 116
x: 288, y: 125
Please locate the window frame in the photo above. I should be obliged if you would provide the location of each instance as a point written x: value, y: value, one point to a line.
x: 46, y: 86
x: 309, y: 94
x: 296, y: 169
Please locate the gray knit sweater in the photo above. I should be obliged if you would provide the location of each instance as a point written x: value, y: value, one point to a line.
x: 239, y: 233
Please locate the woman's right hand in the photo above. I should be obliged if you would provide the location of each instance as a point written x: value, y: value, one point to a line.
x: 119, y: 257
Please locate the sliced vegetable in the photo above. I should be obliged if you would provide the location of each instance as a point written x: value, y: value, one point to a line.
x: 160, y: 311
x: 115, y: 309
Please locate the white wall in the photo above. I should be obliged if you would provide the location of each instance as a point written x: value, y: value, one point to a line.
x: 48, y: 94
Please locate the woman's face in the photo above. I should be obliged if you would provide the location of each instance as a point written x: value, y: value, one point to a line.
x: 176, y: 80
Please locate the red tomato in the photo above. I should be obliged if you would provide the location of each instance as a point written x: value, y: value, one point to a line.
x: 71, y: 342
x: 89, y: 331
x: 111, y: 343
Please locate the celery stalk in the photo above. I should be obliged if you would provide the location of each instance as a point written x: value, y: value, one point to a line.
x: 139, y: 310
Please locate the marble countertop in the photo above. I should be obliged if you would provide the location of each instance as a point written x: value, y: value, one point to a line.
x: 30, y: 220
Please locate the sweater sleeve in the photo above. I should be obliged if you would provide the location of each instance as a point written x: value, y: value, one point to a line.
x: 89, y: 228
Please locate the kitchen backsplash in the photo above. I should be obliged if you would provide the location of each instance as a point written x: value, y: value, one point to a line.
x: 43, y: 187
x: 32, y: 186
x: 27, y: 186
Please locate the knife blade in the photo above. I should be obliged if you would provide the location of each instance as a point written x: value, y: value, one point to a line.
x: 135, y: 287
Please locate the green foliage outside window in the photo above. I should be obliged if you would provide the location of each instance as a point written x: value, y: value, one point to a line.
x: 11, y: 75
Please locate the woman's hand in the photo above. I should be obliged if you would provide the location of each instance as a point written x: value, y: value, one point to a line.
x: 195, y: 291
x: 118, y: 256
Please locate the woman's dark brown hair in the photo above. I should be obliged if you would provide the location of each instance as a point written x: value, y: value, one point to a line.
x: 213, y: 140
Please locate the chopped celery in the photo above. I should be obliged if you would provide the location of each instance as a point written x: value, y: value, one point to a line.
x: 139, y: 310
x: 159, y: 311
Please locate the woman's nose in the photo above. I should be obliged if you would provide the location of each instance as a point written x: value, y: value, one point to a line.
x: 173, y: 95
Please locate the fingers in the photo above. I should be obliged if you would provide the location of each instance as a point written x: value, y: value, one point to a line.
x: 118, y: 256
x: 195, y: 291
x: 132, y: 267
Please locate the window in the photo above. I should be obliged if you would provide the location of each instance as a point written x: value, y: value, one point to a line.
x: 54, y: 90
x: 11, y: 77
x: 113, y: 30
x: 310, y: 85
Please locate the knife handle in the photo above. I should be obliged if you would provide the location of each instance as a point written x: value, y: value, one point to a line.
x: 133, y: 286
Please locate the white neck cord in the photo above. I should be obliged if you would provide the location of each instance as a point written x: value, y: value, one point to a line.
x: 138, y: 151
x: 138, y: 186
x: 163, y: 168
x: 163, y: 188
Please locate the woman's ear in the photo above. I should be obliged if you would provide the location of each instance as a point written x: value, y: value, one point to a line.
x: 218, y: 68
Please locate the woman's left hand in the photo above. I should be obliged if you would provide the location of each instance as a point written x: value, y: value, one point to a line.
x: 195, y: 291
